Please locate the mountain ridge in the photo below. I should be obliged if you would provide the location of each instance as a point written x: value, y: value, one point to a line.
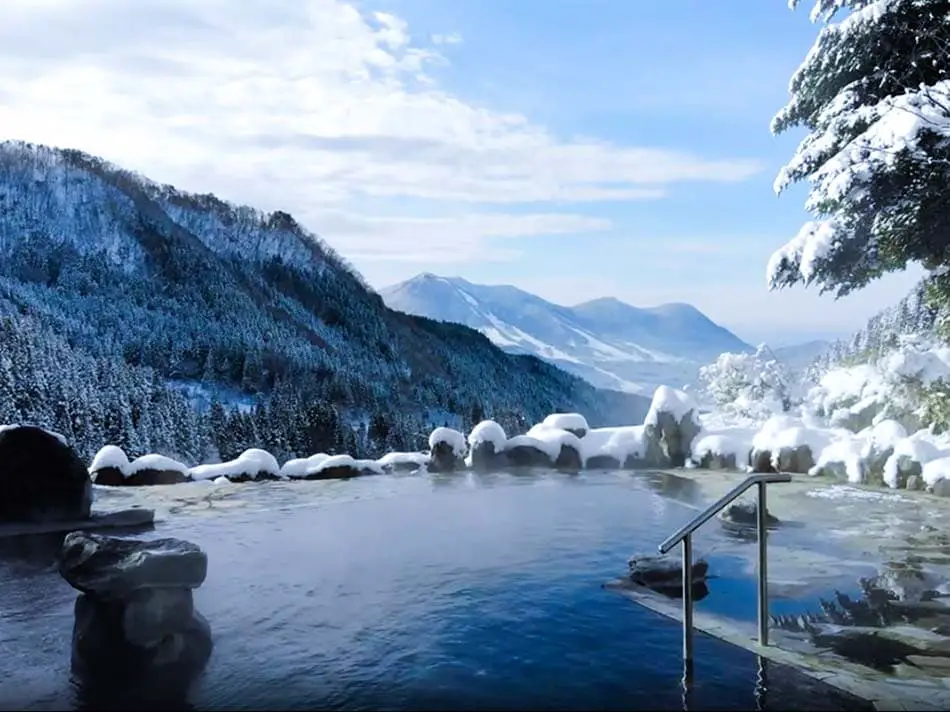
x: 606, y: 341
x: 195, y: 289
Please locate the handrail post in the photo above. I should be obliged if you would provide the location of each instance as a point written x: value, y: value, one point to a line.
x: 688, y: 604
x: 763, y: 570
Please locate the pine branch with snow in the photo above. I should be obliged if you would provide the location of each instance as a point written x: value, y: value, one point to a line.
x: 874, y: 94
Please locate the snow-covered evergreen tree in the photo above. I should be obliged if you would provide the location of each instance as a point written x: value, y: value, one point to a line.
x: 749, y: 384
x: 874, y: 94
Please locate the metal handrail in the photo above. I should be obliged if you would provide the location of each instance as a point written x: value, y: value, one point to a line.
x: 684, y: 535
x: 713, y: 509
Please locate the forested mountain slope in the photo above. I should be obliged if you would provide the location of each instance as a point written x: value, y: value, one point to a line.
x: 103, y: 267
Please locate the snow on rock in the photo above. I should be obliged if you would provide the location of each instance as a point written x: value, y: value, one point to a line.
x: 562, y: 448
x: 221, y: 481
x: 253, y: 464
x: 488, y: 431
x: 110, y: 456
x: 328, y: 467
x: 487, y: 447
x: 675, y: 402
x: 448, y: 449
x: 842, y: 459
x: 156, y: 469
x: 785, y: 444
x: 904, y: 467
x: 13, y: 426
x: 936, y: 472
x: 298, y: 468
x: 614, y: 448
x: 403, y: 461
x: 727, y: 449
x: 672, y: 423
x: 572, y: 422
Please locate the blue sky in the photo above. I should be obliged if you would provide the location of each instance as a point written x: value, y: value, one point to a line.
x: 576, y: 148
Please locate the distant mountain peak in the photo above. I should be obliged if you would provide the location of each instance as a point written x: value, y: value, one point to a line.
x: 605, y: 340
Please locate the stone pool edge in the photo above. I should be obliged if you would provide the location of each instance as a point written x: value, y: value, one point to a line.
x: 842, y: 674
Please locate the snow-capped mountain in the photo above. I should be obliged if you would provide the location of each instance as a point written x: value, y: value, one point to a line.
x: 609, y: 343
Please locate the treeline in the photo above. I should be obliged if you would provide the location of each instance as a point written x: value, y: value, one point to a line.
x: 93, y: 401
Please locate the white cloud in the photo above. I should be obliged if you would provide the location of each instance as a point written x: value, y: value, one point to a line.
x: 304, y: 105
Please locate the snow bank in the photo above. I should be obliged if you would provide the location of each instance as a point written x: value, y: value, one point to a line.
x: 566, y: 421
x: 487, y: 431
x: 670, y: 400
x: 249, y: 463
x: 155, y: 462
x: 110, y: 456
x: 618, y: 443
x: 453, y: 438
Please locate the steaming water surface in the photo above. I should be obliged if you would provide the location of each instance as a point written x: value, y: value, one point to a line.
x: 417, y: 592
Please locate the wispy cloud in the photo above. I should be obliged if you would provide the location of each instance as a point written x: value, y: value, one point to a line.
x: 307, y: 105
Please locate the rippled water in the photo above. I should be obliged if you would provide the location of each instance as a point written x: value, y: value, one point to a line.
x: 417, y: 593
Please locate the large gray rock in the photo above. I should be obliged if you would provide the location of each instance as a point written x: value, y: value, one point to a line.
x: 113, y: 568
x: 797, y: 460
x: 569, y: 460
x: 444, y: 459
x: 41, y: 478
x: 668, y: 438
x: 153, y: 613
x: 745, y: 514
x: 525, y: 455
x: 486, y: 459
x: 101, y: 648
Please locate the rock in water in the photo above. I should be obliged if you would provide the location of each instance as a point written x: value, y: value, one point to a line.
x: 41, y: 478
x: 444, y: 458
x: 486, y: 459
x: 746, y: 514
x: 135, y: 621
x: 112, y: 568
x: 101, y: 647
x: 663, y: 571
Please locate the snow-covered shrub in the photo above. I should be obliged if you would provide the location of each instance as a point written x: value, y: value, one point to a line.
x: 753, y: 385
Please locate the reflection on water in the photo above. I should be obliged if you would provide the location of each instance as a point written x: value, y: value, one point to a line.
x: 448, y: 592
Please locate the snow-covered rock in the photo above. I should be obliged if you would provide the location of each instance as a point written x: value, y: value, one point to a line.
x: 41, y: 478
x: 403, y: 461
x: 727, y: 449
x: 615, y: 448
x: 572, y: 422
x: 156, y: 470
x: 562, y: 447
x: 672, y: 423
x: 785, y: 444
x: 448, y: 448
x: 110, y: 466
x: 487, y: 447
x: 253, y: 464
x: 328, y: 467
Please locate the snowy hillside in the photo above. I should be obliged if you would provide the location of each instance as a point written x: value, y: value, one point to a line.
x: 109, y: 271
x: 607, y: 342
x: 911, y: 316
